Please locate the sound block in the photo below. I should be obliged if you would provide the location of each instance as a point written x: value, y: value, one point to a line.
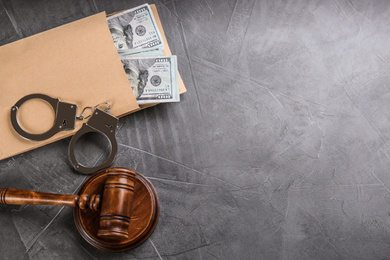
x: 145, y: 212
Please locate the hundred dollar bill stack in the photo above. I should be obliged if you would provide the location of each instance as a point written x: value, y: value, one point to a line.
x: 153, y: 79
x: 135, y: 31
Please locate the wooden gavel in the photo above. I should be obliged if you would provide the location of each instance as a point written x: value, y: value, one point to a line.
x: 115, y: 210
x: 115, y: 205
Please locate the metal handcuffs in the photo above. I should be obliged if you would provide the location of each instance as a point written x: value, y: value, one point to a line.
x: 65, y: 117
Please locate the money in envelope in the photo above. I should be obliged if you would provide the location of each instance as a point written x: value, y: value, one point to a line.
x: 153, y: 79
x: 135, y: 31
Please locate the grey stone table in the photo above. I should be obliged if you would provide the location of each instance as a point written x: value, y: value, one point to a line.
x: 279, y: 149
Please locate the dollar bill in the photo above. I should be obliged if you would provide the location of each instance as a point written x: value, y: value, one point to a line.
x: 153, y: 79
x: 135, y: 30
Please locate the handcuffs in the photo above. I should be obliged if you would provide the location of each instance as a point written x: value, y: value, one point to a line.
x: 101, y: 121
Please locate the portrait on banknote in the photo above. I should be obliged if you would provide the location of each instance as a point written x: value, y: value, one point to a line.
x: 137, y: 73
x: 122, y: 31
x: 137, y: 78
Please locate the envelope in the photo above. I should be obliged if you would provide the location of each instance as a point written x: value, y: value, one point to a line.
x: 77, y: 63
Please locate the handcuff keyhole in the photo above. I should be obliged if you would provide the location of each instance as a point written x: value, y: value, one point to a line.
x: 64, y: 122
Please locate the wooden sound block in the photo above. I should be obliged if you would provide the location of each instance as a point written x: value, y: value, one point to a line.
x: 144, y: 217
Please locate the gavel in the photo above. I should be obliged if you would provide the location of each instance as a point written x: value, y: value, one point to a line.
x: 115, y: 206
x: 112, y: 201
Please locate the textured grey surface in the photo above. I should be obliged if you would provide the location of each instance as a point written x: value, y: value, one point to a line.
x: 279, y: 149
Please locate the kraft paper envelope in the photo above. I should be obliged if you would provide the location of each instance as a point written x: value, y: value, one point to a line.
x: 76, y: 62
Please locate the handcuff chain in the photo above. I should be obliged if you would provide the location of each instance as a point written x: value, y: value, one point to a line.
x: 82, y: 117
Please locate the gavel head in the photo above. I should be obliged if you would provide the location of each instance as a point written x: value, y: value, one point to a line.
x: 116, y: 208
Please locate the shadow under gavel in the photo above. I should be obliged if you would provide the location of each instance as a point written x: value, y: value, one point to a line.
x: 103, y: 208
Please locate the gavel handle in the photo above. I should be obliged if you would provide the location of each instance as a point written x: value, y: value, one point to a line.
x: 27, y: 197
